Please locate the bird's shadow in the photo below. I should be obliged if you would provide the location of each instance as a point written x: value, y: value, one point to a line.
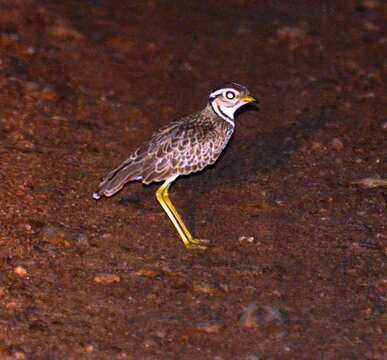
x: 266, y: 152
x: 246, y: 161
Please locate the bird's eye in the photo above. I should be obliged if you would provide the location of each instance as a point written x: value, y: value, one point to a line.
x: 230, y: 95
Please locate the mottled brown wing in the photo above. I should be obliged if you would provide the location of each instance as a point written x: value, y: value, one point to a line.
x: 182, y: 148
x: 133, y: 167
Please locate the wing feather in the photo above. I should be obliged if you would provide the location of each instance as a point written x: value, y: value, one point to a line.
x: 179, y: 148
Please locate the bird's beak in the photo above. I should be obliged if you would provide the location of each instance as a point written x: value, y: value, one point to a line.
x: 248, y: 99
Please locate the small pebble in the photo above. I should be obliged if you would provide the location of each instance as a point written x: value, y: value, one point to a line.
x: 89, y: 348
x: 316, y: 146
x: 248, y: 319
x: 382, y: 285
x: 59, y: 118
x: 106, y: 279
x: 254, y: 316
x: 11, y: 305
x: 149, y: 343
x: 35, y: 90
x: 52, y: 234
x: 20, y: 271
x: 64, y: 30
x: 48, y: 94
x: 204, y: 288
x: 293, y: 36
x: 246, y: 239
x: 288, y: 32
x: 146, y: 273
x: 25, y: 145
x: 18, y: 355
x: 107, y: 236
x: 212, y: 327
x: 337, y: 144
x: 122, y: 356
x: 276, y: 292
x: 161, y: 333
x: 366, y: 96
x: 30, y: 51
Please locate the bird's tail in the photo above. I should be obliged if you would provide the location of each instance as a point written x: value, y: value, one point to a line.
x: 117, y: 178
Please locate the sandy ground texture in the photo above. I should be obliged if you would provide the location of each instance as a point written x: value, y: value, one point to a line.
x: 295, y: 209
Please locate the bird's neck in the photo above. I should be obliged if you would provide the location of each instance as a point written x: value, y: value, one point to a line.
x: 222, y: 113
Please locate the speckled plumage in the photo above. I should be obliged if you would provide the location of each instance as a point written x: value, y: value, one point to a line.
x: 180, y: 148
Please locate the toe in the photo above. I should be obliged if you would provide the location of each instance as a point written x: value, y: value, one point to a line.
x: 203, y: 242
x: 196, y: 246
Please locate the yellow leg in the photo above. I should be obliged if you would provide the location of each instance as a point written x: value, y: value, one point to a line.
x: 165, y: 202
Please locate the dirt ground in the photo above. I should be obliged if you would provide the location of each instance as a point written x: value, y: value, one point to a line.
x: 297, y: 266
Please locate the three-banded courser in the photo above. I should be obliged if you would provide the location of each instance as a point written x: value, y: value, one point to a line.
x: 180, y: 148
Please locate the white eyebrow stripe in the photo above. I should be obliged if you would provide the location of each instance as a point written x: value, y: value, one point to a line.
x: 218, y: 92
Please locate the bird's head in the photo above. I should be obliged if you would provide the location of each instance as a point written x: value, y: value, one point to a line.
x: 228, y: 98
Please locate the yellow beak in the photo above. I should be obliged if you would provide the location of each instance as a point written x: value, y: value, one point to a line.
x: 248, y: 99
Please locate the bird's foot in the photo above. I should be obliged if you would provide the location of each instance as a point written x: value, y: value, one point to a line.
x: 197, y: 244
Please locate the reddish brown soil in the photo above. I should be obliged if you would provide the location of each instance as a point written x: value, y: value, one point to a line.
x: 82, y: 83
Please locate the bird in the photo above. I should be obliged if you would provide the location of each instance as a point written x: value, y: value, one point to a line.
x: 182, y: 147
